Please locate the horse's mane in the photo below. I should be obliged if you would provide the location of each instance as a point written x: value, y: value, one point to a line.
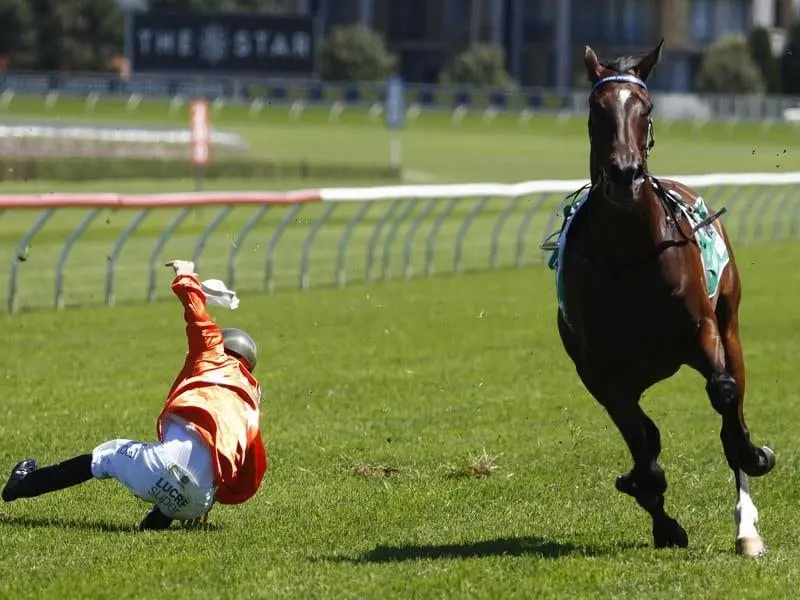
x: 623, y: 64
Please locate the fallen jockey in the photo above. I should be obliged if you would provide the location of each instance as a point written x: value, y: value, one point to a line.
x: 209, y: 445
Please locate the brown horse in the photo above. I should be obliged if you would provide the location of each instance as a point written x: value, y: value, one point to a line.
x: 639, y: 296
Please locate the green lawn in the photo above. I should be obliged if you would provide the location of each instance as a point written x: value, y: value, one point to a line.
x: 417, y: 377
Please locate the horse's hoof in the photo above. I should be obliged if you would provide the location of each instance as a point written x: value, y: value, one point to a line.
x: 764, y: 463
x: 670, y: 534
x: 750, y: 547
x: 626, y: 484
x: 769, y: 458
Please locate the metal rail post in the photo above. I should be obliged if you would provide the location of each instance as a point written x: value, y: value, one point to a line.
x: 309, y: 242
x: 462, y: 232
x: 412, y: 232
x: 373, y: 239
x: 392, y: 234
x: 523, y: 228
x: 210, y: 229
x: 117, y: 250
x: 341, y: 246
x: 237, y: 244
x: 160, y: 243
x: 498, y: 228
x: 20, y: 255
x: 58, y: 300
x: 269, y: 276
x: 433, y: 235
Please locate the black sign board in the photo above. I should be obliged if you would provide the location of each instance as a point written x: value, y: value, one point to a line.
x: 230, y: 44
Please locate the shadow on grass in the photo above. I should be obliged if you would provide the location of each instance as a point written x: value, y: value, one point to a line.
x: 84, y: 525
x: 60, y: 523
x: 522, y: 546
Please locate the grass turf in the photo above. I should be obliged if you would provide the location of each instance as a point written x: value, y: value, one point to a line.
x: 373, y: 396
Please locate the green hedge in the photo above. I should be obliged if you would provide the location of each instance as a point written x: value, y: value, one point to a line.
x: 87, y: 169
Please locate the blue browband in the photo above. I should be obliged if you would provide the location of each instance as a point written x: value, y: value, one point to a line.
x: 620, y: 79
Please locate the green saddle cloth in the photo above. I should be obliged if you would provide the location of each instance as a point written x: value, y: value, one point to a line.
x: 714, y: 253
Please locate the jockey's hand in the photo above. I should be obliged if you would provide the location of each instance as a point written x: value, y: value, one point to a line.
x: 181, y: 267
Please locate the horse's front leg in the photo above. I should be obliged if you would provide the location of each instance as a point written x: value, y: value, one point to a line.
x: 646, y: 482
x: 745, y: 515
x: 723, y: 368
x: 725, y: 386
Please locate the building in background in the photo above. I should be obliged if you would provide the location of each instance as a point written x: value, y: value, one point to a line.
x: 618, y: 27
x: 544, y: 39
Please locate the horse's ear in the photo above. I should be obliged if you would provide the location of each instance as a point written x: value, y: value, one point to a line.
x: 649, y: 62
x: 593, y: 67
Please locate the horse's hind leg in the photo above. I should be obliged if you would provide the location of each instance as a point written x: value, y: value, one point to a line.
x: 646, y: 482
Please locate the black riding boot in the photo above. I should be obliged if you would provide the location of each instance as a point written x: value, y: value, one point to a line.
x: 155, y: 520
x: 26, y: 481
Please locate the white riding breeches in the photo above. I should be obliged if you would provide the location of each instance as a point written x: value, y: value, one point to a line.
x: 176, y: 475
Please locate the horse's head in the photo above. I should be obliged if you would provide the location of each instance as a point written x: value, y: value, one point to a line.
x: 620, y: 125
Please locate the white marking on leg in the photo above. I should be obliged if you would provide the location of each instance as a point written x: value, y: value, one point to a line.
x: 745, y: 515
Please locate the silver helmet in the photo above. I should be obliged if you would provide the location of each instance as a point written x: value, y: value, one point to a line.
x: 241, y: 344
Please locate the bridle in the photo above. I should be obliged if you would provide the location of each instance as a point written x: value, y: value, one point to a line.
x: 666, y: 200
x: 623, y: 78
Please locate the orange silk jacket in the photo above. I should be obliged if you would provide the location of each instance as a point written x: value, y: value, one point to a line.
x: 219, y: 398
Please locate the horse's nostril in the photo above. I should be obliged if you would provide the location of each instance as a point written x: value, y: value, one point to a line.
x: 615, y: 173
x: 625, y: 175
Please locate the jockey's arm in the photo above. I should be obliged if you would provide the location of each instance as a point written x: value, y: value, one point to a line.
x: 202, y: 333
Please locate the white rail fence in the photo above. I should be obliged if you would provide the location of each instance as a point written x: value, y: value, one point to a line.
x: 73, y: 249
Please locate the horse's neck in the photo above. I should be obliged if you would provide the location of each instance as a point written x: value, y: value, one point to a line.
x: 622, y: 235
x: 594, y: 170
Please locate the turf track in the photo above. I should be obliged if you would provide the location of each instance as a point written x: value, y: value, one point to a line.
x: 416, y: 376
